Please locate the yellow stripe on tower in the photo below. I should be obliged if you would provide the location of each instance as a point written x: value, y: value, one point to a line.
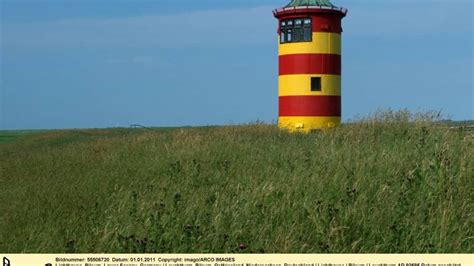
x: 301, y: 85
x: 323, y: 43
x: 307, y: 123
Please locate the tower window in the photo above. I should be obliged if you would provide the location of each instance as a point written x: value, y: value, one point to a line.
x: 307, y: 34
x: 289, y: 35
x: 316, y: 84
x: 296, y: 30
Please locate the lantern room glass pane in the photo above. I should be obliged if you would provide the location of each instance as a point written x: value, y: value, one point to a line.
x: 298, y: 34
x: 308, y: 34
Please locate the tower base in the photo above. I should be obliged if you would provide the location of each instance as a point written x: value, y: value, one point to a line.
x: 306, y: 124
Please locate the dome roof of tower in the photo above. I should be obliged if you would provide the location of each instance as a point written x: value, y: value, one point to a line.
x: 294, y: 3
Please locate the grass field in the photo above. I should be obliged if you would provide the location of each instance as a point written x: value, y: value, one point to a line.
x: 388, y: 183
x: 10, y: 135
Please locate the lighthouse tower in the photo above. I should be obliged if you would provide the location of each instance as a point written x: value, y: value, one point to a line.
x: 309, y: 82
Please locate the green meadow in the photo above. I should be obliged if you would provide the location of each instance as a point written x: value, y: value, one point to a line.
x: 392, y: 182
x: 10, y: 135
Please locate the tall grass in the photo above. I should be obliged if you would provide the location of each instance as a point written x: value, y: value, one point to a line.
x: 393, y: 182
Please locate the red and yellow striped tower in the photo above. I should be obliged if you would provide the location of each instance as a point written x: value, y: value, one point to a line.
x: 309, y: 82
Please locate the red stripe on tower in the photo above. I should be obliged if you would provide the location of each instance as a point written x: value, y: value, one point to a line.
x: 329, y: 64
x: 310, y: 105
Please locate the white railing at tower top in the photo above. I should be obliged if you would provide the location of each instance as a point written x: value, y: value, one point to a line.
x: 340, y: 9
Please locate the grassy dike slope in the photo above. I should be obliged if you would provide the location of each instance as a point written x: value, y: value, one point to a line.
x: 382, y: 184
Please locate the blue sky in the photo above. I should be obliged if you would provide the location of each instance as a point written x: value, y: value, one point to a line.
x: 107, y: 63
